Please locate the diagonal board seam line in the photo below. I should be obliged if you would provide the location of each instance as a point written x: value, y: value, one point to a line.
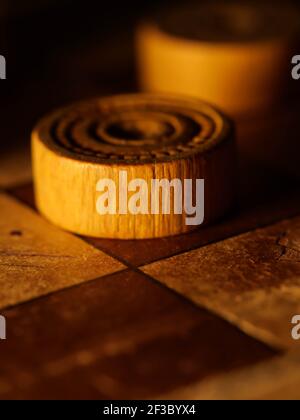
x: 128, y: 264
x: 10, y: 193
x: 223, y: 239
x: 60, y: 291
x: 175, y: 254
x: 110, y: 253
x: 210, y: 311
x: 123, y: 261
x: 148, y: 277
x: 276, y: 293
x: 181, y: 297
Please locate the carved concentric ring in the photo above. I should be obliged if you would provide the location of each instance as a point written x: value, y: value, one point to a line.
x: 103, y: 148
x: 133, y: 129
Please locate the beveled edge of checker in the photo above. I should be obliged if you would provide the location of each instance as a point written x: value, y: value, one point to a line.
x: 42, y: 130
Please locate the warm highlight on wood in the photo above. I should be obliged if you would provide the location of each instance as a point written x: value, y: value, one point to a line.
x: 37, y: 259
x: 234, y: 55
x: 148, y: 137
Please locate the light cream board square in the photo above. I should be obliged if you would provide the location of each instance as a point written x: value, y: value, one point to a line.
x: 37, y: 258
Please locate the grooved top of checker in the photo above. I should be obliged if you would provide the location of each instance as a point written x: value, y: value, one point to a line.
x: 231, y: 21
x: 133, y: 129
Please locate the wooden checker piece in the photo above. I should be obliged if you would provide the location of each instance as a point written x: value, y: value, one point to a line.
x: 147, y: 137
x: 233, y: 54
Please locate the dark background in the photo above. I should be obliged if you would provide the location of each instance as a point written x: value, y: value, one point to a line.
x: 62, y: 50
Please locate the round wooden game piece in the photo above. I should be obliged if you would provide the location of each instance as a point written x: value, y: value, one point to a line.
x: 236, y: 55
x: 97, y: 164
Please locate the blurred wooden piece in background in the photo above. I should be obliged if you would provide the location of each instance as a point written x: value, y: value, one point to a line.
x: 233, y: 54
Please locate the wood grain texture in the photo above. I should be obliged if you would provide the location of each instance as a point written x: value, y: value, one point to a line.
x: 264, y: 198
x: 124, y: 336
x: 37, y: 258
x: 225, y: 54
x: 149, y: 138
x: 251, y: 280
x: 121, y: 337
